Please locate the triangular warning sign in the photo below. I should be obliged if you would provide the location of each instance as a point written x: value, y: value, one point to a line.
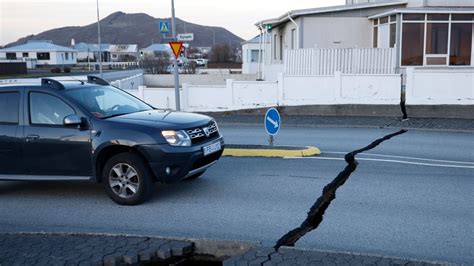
x: 176, y: 47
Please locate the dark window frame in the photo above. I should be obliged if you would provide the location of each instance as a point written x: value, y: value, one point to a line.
x: 11, y: 56
x: 40, y: 55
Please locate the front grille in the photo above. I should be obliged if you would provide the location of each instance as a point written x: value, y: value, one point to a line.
x: 198, y: 135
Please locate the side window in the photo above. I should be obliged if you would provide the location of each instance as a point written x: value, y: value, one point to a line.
x: 46, y: 109
x: 9, y: 106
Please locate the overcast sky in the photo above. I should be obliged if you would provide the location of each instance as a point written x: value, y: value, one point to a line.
x: 19, y: 18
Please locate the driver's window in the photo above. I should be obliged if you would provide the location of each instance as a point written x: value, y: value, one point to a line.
x: 46, y: 109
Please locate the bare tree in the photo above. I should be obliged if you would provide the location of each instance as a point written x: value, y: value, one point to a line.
x: 221, y: 53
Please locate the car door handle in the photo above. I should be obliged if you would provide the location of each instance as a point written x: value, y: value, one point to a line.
x: 31, y: 138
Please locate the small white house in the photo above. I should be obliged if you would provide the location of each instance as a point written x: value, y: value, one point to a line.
x: 252, y: 53
x: 157, y: 50
x: 40, y: 53
x: 123, y: 52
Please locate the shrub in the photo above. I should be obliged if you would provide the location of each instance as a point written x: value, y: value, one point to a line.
x: 67, y: 70
x: 56, y: 70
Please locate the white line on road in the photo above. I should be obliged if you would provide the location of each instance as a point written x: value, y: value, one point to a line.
x: 384, y: 160
x: 404, y: 157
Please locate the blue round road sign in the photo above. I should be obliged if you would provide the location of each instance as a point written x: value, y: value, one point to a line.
x: 272, y: 121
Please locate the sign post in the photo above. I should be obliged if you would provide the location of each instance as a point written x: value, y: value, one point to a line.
x: 176, y: 70
x: 272, y: 124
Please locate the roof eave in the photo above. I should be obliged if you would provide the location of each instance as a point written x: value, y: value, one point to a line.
x: 302, y: 12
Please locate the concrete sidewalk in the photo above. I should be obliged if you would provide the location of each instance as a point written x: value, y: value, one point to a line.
x: 57, y: 249
x: 81, y: 249
x: 430, y: 124
x: 292, y: 256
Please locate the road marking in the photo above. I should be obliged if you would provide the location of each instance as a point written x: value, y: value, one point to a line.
x: 274, y: 123
x: 384, y: 160
x: 405, y: 157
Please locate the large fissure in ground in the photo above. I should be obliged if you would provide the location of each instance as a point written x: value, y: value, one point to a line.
x: 316, y: 213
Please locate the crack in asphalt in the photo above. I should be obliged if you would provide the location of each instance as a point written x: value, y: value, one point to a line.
x: 316, y: 213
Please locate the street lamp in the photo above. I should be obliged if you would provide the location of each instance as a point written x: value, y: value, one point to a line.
x: 100, y: 46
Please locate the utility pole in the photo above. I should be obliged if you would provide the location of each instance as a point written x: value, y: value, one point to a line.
x: 176, y: 74
x: 100, y: 46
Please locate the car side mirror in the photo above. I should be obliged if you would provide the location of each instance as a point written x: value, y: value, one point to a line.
x: 73, y: 120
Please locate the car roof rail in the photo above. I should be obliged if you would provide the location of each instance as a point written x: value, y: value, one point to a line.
x: 52, y: 84
x: 97, y: 80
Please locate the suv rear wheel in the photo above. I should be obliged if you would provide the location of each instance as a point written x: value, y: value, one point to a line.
x: 127, y: 180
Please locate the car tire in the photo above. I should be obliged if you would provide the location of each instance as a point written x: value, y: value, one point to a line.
x: 127, y: 180
x: 195, y: 176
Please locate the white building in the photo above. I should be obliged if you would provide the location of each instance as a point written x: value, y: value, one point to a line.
x: 40, y: 53
x: 252, y: 53
x: 157, y: 50
x: 123, y: 52
x: 422, y: 33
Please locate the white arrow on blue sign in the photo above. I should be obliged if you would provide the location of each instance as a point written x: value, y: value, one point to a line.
x: 272, y: 121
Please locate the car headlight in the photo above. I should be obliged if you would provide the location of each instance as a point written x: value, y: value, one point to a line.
x: 177, y: 138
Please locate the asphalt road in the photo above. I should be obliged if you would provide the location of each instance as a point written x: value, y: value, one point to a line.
x: 410, y: 197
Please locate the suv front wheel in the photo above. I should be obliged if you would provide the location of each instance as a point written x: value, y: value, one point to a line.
x: 127, y: 180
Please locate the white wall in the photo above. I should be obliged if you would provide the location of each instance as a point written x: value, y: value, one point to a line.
x: 163, y: 81
x: 438, y: 87
x: 337, y: 32
x: 132, y: 83
x: 287, y: 91
x: 340, y: 89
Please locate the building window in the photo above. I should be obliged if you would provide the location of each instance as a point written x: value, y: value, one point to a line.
x: 414, y: 17
x: 375, y: 37
x: 11, y: 56
x: 461, y: 17
x: 43, y: 56
x: 461, y: 44
x: 66, y: 56
x: 412, y: 44
x: 25, y: 55
x: 393, y: 34
x: 281, y: 47
x: 253, y: 56
x: 275, y: 47
x: 293, y: 39
x: 437, y: 38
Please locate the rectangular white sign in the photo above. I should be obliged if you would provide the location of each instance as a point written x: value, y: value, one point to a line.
x: 185, y: 37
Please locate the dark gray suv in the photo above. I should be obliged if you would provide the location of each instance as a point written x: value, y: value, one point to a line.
x: 89, y: 130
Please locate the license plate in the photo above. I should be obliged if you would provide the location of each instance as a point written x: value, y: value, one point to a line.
x: 215, y: 147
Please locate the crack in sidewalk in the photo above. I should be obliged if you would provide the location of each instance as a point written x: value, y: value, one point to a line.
x: 316, y: 213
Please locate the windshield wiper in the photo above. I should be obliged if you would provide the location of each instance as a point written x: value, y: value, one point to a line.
x: 119, y: 114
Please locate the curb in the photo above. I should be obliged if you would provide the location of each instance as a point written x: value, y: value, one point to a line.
x: 270, y: 152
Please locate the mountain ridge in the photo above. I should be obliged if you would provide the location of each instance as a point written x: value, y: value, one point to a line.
x: 133, y: 28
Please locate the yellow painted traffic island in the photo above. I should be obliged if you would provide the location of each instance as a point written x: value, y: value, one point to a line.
x: 269, y: 151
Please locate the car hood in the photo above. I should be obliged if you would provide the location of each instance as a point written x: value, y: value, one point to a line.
x: 163, y: 119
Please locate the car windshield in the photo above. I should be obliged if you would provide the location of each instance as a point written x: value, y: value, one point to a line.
x: 107, y: 101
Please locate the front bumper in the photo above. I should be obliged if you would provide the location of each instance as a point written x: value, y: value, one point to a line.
x: 183, y: 161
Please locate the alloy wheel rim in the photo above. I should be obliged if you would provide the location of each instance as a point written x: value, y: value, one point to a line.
x: 123, y: 180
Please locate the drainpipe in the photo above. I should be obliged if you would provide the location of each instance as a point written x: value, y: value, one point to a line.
x: 297, y: 30
x: 259, y: 71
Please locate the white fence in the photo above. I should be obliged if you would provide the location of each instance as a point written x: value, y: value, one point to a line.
x: 440, y: 87
x: 315, y: 62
